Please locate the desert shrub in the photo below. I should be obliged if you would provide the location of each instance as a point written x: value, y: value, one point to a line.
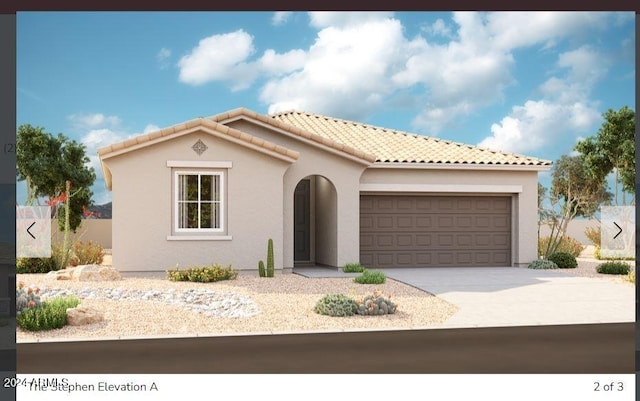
x: 542, y: 264
x: 50, y: 315
x: 593, y: 235
x: 57, y: 261
x: 336, y: 305
x: 631, y: 277
x: 35, y: 265
x: 566, y: 244
x: 613, y: 268
x: 353, y: 268
x: 370, y: 277
x: 564, y: 260
x: 202, y: 274
x: 26, y: 298
x: 375, y: 304
x: 86, y: 253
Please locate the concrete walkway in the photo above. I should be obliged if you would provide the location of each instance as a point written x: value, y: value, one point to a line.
x: 509, y: 296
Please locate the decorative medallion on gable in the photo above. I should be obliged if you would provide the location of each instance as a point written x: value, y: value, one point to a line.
x: 199, y: 147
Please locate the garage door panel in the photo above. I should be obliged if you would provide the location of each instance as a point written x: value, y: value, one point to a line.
x: 400, y: 230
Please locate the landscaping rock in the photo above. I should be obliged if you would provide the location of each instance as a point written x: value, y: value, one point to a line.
x: 86, y: 273
x: 82, y: 315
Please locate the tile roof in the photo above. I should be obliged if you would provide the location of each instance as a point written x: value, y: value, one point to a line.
x: 213, y: 127
x: 393, y: 146
x: 338, y: 145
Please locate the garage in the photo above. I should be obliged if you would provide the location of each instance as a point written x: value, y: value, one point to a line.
x: 435, y: 231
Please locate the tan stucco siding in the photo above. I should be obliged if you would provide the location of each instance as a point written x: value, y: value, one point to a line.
x: 521, y: 185
x: 342, y: 173
x: 143, y: 207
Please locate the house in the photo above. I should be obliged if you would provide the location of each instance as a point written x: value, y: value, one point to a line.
x: 326, y: 190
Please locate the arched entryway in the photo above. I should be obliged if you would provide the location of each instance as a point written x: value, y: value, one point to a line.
x: 315, y: 222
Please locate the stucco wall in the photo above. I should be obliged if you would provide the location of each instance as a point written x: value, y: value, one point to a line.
x: 575, y: 230
x: 326, y: 215
x: 142, y: 207
x: 343, y: 173
x: 95, y: 230
x: 496, y: 182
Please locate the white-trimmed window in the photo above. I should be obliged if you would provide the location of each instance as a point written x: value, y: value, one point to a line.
x: 199, y: 201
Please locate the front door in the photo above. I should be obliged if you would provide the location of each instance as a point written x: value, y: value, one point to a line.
x: 301, y: 221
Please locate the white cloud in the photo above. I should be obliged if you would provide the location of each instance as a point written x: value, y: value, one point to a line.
x: 93, y: 120
x: 565, y: 108
x: 150, y: 128
x: 280, y: 17
x: 273, y: 63
x: 514, y: 29
x: 537, y: 124
x: 359, y: 61
x: 346, y: 71
x: 342, y: 19
x: 219, y: 57
x: 439, y: 28
x: 163, y: 57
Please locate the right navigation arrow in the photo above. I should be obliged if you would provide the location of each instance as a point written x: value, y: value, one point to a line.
x: 619, y: 228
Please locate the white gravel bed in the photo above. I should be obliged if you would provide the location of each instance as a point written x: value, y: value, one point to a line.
x: 141, y: 307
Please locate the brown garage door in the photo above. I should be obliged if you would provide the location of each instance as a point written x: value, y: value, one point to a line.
x: 434, y: 231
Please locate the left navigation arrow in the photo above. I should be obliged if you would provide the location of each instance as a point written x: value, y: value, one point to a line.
x: 29, y: 232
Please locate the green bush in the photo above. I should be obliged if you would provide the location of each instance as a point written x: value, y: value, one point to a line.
x: 88, y: 253
x: 613, y: 268
x: 353, y: 268
x: 202, y: 274
x: 336, y: 305
x: 370, y: 277
x: 542, y: 264
x: 566, y: 244
x: 563, y: 260
x: 375, y: 304
x: 35, y: 265
x: 50, y: 315
x: 43, y: 265
x: 27, y: 298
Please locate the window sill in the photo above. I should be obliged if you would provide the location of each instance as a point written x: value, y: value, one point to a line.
x: 199, y: 238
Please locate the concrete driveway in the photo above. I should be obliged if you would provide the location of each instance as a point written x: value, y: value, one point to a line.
x: 510, y: 296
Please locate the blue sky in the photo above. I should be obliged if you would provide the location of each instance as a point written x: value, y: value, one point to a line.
x: 530, y: 83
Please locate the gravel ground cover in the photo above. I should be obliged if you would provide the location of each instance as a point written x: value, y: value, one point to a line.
x: 145, y: 306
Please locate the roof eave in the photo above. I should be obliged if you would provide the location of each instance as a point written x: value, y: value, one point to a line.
x: 462, y: 166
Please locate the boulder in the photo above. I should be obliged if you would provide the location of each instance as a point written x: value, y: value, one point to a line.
x: 64, y: 274
x: 82, y: 315
x: 95, y: 273
x: 86, y: 273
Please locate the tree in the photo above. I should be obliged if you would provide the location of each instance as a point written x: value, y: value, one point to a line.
x: 47, y: 162
x: 612, y: 149
x: 573, y: 193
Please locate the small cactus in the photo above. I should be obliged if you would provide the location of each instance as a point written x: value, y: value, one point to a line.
x: 261, y: 270
x: 375, y: 304
x: 270, y: 267
x: 26, y: 298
